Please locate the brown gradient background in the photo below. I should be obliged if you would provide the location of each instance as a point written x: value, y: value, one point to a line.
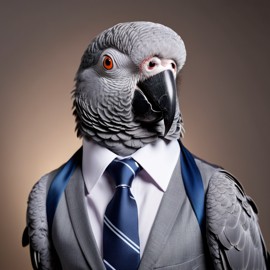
x: 224, y: 91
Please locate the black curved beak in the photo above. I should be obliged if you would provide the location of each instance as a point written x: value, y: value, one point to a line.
x: 156, y: 99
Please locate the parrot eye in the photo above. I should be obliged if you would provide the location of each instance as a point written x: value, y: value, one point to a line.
x: 151, y: 64
x: 107, y: 62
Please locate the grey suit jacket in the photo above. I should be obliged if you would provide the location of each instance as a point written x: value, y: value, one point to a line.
x: 175, y: 241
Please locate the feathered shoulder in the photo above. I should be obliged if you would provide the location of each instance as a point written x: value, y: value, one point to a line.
x: 36, y: 233
x: 233, y: 234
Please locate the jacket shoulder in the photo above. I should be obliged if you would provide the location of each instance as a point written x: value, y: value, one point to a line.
x: 207, y: 170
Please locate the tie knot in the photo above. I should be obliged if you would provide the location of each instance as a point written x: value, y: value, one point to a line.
x: 123, y: 171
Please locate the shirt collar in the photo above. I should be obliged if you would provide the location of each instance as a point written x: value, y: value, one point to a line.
x: 158, y: 159
x: 95, y: 160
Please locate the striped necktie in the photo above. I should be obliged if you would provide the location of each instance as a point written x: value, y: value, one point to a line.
x: 121, y: 246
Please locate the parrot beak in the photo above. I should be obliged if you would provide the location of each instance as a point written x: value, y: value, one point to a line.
x: 156, y: 99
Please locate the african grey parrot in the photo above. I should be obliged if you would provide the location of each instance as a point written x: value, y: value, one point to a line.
x: 125, y: 97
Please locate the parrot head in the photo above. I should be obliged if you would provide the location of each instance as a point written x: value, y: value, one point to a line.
x: 125, y: 93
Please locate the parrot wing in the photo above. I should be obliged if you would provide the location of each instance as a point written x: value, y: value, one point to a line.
x: 233, y: 234
x: 36, y: 233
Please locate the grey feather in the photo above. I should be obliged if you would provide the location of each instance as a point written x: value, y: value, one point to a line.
x: 40, y: 244
x: 134, y: 39
x: 233, y: 233
x: 103, y: 99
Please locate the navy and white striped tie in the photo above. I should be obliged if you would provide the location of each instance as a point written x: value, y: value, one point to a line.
x: 121, y: 246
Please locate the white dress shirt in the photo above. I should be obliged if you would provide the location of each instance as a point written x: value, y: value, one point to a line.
x: 158, y: 161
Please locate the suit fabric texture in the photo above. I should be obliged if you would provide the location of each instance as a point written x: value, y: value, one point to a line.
x: 175, y: 241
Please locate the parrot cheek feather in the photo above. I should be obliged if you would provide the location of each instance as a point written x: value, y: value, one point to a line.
x: 144, y: 135
x: 88, y: 132
x: 99, y: 128
x: 126, y: 119
x: 109, y: 125
x: 160, y: 128
x: 121, y: 110
x: 114, y: 129
x: 87, y: 120
x: 133, y: 128
x: 114, y: 138
x: 92, y: 108
x: 125, y: 102
x: 112, y: 144
x: 124, y: 136
x: 148, y: 140
x: 104, y: 114
x: 135, y: 144
x: 137, y: 130
x: 89, y: 115
x: 103, y: 135
x: 97, y: 139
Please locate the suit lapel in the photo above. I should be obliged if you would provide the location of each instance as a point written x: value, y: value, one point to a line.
x: 75, y: 196
x: 165, y: 220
